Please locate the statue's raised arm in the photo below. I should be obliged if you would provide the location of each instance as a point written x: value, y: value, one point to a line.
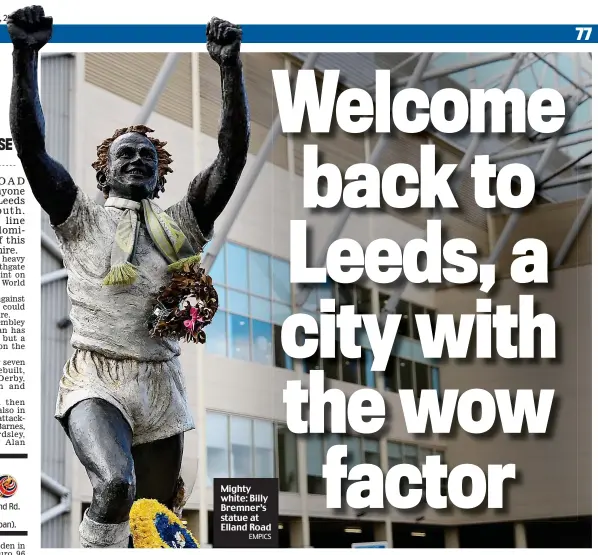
x: 211, y: 190
x: 52, y: 186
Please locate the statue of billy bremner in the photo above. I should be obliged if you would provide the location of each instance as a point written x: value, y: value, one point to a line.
x: 122, y: 399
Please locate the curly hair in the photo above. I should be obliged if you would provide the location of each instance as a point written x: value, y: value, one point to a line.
x: 164, y: 159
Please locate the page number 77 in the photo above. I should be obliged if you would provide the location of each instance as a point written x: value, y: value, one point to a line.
x: 583, y: 33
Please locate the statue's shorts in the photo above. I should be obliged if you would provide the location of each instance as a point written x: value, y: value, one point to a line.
x: 150, y: 395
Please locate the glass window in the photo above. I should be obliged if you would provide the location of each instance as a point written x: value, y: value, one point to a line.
x: 240, y: 440
x: 361, y: 338
x: 280, y: 312
x: 436, y: 379
x: 287, y: 460
x: 315, y: 461
x: 344, y: 295
x: 240, y: 447
x: 404, y: 326
x: 313, y: 362
x: 216, y: 334
x: 354, y: 456
x: 259, y: 274
x: 221, y: 291
x: 238, y: 328
x: 364, y: 300
x: 422, y: 378
x: 382, y: 298
x: 330, y: 367
x: 260, y: 309
x: 395, y: 454
x: 330, y: 440
x: 281, y: 281
x: 281, y: 359
x: 217, y: 273
x: 236, y: 267
x: 365, y: 366
x: 443, y: 481
x: 390, y: 375
x: 415, y: 309
x: 406, y: 373
x: 261, y: 342
x: 423, y: 453
x: 410, y: 455
x: 314, y: 315
x: 254, y: 293
x: 371, y: 450
x: 311, y: 303
x: 350, y: 370
x: 263, y: 440
x: 315, y: 454
x: 325, y: 291
x: 432, y: 314
x: 217, y: 446
x: 238, y: 303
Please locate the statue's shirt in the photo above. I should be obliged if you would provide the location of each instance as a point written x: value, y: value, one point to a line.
x: 112, y: 320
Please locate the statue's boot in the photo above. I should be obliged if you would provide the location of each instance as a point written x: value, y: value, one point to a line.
x: 107, y: 536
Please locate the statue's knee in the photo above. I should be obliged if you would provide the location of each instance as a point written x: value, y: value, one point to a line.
x: 114, y: 498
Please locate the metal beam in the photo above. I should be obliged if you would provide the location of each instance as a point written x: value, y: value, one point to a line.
x: 342, y: 219
x: 571, y: 180
x: 400, y: 65
x: 246, y: 183
x: 51, y: 277
x: 580, y: 129
x: 57, y: 510
x: 570, y: 89
x: 56, y: 488
x: 53, y: 486
x: 474, y: 145
x: 569, y: 165
x: 50, y: 245
x: 514, y: 154
x: 537, y: 136
x: 456, y: 68
x: 549, y: 147
x: 396, y: 68
x: 573, y: 232
x: 157, y: 88
x: 563, y: 75
x: 496, y: 79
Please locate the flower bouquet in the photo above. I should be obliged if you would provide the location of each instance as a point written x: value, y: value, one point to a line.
x: 185, y: 306
x: 153, y: 526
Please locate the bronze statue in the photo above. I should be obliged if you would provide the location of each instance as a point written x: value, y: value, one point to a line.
x: 122, y: 399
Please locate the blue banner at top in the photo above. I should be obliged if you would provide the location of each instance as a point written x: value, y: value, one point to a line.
x: 329, y: 34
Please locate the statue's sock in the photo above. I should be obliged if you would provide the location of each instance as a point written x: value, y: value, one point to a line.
x: 108, y: 536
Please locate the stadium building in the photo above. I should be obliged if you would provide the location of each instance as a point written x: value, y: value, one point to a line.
x: 235, y: 383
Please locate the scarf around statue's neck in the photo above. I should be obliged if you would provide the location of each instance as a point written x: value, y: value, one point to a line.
x: 163, y: 230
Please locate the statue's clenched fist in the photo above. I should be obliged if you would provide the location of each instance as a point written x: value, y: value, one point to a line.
x: 29, y: 27
x: 223, y: 41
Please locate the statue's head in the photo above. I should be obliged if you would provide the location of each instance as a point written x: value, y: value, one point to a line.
x: 132, y: 165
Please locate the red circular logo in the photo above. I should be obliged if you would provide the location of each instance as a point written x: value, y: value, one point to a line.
x: 8, y: 486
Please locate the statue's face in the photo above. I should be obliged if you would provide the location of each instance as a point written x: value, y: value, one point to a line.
x: 132, y: 167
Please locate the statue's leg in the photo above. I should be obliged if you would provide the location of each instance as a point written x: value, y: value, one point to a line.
x: 157, y: 468
x: 102, y: 440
